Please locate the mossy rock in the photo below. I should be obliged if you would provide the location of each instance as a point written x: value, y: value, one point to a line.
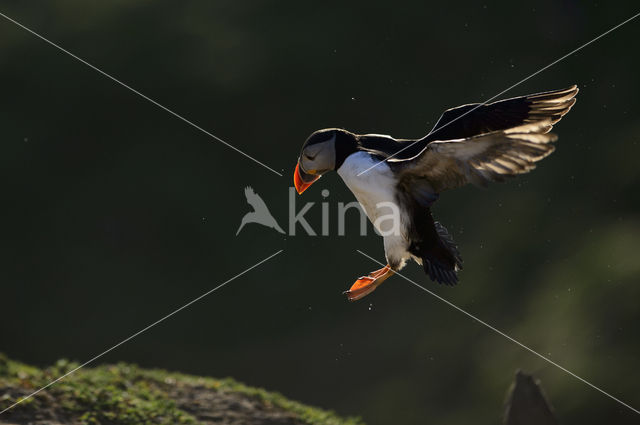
x: 125, y: 394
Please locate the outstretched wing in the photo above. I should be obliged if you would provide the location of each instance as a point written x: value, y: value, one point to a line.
x: 254, y: 199
x: 476, y: 118
x: 480, y: 159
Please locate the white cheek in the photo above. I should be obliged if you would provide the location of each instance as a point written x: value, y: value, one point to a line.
x: 318, y: 164
x: 306, y: 164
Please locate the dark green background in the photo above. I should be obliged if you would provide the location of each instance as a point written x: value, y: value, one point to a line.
x: 114, y: 213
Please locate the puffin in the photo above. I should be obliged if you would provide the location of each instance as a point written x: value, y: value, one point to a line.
x: 397, y: 181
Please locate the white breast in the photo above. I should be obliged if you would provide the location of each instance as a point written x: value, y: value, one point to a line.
x: 374, y: 186
x: 372, y: 189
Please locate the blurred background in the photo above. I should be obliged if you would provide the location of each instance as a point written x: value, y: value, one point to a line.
x: 114, y: 212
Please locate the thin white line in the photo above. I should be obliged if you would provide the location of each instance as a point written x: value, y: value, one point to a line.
x: 140, y: 331
x: 506, y: 336
x: 506, y: 90
x: 175, y: 114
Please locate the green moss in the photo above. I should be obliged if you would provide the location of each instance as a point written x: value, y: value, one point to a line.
x: 126, y: 394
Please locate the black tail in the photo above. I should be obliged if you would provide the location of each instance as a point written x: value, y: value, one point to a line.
x: 441, y: 259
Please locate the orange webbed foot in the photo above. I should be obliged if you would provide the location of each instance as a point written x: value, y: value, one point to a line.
x: 367, y: 284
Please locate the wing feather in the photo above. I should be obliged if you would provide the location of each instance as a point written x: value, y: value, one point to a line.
x: 474, y: 119
x: 477, y: 118
x: 479, y: 159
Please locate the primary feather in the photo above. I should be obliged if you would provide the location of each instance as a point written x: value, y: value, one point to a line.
x: 480, y: 159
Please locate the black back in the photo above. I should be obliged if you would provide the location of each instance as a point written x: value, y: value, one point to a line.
x: 384, y: 147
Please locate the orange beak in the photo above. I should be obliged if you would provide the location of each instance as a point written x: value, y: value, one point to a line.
x: 303, y: 180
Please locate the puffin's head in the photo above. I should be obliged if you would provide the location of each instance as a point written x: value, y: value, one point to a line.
x: 320, y: 153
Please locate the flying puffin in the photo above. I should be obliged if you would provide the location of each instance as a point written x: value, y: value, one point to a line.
x: 475, y: 143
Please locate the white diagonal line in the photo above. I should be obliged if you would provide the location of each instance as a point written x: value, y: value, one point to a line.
x: 506, y: 90
x: 175, y: 114
x: 141, y: 331
x: 499, y: 332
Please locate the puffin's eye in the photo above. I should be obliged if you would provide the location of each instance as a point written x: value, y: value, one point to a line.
x: 309, y: 157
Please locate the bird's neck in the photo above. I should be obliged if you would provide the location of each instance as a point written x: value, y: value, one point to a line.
x: 346, y: 144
